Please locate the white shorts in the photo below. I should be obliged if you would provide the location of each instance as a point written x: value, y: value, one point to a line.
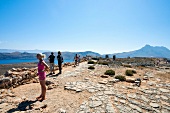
x: 51, y: 67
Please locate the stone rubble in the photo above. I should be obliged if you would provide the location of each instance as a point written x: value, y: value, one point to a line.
x: 110, y: 100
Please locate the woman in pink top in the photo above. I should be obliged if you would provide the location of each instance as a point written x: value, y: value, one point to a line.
x: 42, y: 67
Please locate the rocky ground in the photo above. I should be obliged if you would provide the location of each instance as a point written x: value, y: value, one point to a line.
x: 80, y: 90
x: 5, y: 67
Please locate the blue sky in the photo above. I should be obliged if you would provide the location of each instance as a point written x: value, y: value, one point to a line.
x: 104, y: 26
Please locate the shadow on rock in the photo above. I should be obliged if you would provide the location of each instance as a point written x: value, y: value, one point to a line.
x: 23, y: 106
x: 55, y: 75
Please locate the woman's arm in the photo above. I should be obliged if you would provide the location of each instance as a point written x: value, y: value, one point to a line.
x: 46, y: 66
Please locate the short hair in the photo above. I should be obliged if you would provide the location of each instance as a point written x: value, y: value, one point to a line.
x: 52, y: 53
x: 59, y: 52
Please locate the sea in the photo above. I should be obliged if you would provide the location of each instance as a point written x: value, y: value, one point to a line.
x: 17, y: 61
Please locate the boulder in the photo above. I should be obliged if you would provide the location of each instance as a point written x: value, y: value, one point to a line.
x: 14, y: 80
x: 1, y: 76
x: 69, y: 64
x: 104, y: 76
x: 127, y: 65
x: 28, y: 75
x: 35, y: 80
x: 48, y: 82
x: 8, y: 73
x: 16, y: 73
x: 129, y: 79
x: 19, y: 70
x: 145, y: 78
x: 94, y: 104
x: 24, y: 69
x: 14, y: 69
x: 164, y: 90
x: 19, y: 79
x: 114, y: 80
x: 86, y: 79
x: 32, y: 75
x: 33, y: 69
x: 11, y: 95
x: 103, y: 82
x: 154, y: 105
x: 138, y: 82
x: 62, y: 111
x: 49, y: 87
x: 149, y: 75
x: 24, y: 76
x: 5, y: 82
x: 2, y: 84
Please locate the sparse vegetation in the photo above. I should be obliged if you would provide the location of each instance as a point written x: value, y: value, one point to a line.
x: 110, y: 73
x: 134, y: 72
x: 130, y: 72
x: 91, y: 67
x: 103, y: 63
x: 91, y: 62
x: 120, y: 77
x: 95, y: 58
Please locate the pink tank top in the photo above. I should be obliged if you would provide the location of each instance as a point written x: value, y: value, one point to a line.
x: 41, y: 72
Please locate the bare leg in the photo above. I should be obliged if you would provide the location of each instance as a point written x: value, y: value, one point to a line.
x: 43, y: 89
x: 39, y: 97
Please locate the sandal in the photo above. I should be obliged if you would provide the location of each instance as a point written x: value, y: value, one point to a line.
x: 38, y: 97
x: 42, y: 99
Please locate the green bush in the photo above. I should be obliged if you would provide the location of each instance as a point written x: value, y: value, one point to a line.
x: 95, y: 58
x: 103, y: 63
x: 120, y: 77
x: 91, y: 62
x: 130, y: 72
x: 91, y: 67
x: 133, y: 71
x: 110, y: 72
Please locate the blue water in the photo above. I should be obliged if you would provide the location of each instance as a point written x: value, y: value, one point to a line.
x: 16, y: 61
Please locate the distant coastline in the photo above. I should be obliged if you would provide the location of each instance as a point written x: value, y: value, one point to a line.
x: 8, y: 64
x: 19, y: 61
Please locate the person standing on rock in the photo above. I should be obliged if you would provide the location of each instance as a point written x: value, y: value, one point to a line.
x: 79, y: 59
x: 42, y: 68
x: 51, y: 59
x: 76, y: 60
x: 60, y: 61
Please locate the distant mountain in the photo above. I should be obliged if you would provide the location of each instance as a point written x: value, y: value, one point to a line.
x: 17, y: 55
x: 25, y: 55
x: 28, y: 51
x: 146, y: 51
